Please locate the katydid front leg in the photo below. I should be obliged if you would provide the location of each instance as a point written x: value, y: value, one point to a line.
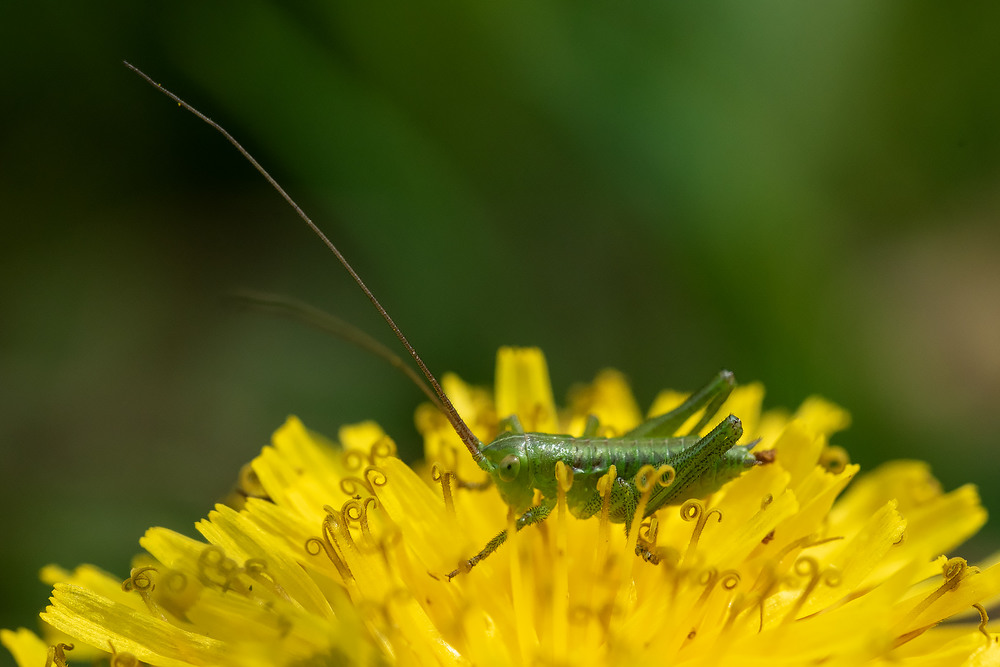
x: 532, y: 515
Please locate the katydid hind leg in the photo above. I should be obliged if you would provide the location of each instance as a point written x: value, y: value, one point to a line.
x: 710, y: 398
x: 690, y: 464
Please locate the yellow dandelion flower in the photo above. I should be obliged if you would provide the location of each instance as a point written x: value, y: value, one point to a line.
x: 340, y: 554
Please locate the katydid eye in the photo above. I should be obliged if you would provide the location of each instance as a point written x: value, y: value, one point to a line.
x: 509, y: 467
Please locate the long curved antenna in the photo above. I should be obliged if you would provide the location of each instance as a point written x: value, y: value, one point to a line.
x: 472, y: 443
x: 318, y: 319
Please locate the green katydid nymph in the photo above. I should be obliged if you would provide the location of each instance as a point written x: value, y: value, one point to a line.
x: 523, y: 465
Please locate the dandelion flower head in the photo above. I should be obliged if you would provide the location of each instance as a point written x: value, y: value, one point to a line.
x: 339, y: 554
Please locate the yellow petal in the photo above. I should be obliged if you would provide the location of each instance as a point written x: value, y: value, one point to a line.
x: 523, y: 388
x: 822, y: 416
x: 96, y: 620
x: 608, y: 398
x: 26, y: 647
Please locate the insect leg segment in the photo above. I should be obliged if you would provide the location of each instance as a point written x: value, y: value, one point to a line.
x: 590, y: 428
x: 535, y: 514
x: 511, y: 424
x: 710, y: 397
x: 704, y: 467
x: 623, y: 502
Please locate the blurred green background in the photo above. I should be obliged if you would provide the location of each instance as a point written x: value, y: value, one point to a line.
x: 806, y: 194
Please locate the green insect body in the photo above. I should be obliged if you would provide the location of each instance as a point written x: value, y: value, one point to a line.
x: 522, y: 463
x: 527, y: 462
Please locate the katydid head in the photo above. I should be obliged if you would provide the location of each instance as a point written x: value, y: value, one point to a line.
x: 507, y: 463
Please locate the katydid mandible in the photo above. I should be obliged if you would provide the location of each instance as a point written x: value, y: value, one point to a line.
x: 521, y: 464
